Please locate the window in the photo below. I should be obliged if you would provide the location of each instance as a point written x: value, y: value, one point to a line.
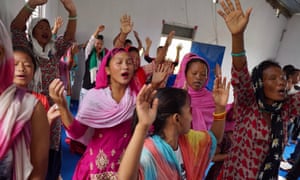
x: 184, y: 36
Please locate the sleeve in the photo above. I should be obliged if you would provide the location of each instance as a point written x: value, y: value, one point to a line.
x: 76, y: 129
x: 242, y: 87
x: 19, y: 38
x: 61, y: 47
x: 89, y: 46
x: 214, y: 144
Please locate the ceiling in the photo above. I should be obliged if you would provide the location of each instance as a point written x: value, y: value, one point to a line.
x: 286, y: 7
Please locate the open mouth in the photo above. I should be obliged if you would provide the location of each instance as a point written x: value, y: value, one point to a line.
x: 125, y: 74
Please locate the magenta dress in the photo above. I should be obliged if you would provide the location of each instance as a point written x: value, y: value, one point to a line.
x: 101, y: 159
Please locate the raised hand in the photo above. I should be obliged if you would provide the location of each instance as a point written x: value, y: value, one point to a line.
x: 100, y: 28
x: 56, y: 92
x: 58, y: 22
x: 146, y: 113
x: 126, y: 24
x: 220, y: 89
x: 235, y: 19
x: 160, y: 74
x: 148, y: 42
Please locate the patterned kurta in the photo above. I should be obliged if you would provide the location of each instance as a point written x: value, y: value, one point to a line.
x: 251, y: 135
x: 50, y: 71
x: 102, y: 157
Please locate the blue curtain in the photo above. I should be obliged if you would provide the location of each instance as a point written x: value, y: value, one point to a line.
x: 213, y: 54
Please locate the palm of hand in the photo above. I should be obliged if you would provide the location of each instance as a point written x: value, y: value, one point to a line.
x: 126, y: 27
x: 220, y: 96
x: 236, y: 22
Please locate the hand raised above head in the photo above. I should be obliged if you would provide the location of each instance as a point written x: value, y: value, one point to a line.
x: 146, y: 107
x: 100, y: 28
x: 235, y: 18
x: 126, y: 24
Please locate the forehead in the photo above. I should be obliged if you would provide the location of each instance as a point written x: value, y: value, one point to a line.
x: 43, y: 23
x: 121, y: 55
x: 272, y: 71
x: 20, y: 55
x: 197, y: 65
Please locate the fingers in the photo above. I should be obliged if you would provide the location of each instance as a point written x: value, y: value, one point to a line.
x: 56, y: 88
x: 225, y: 8
x: 230, y: 5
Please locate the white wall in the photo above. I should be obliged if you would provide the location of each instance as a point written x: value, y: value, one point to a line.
x: 289, y: 51
x: 262, y: 35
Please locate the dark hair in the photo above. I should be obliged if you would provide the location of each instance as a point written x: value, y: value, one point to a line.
x: 132, y: 48
x: 100, y: 37
x: 127, y: 41
x: 170, y: 101
x: 188, y: 65
x: 27, y: 51
x: 263, y: 66
x: 290, y: 70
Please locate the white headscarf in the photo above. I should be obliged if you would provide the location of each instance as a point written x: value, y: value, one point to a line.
x: 37, y: 49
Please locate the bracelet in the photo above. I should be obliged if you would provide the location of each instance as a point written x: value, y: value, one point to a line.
x: 219, y: 116
x: 243, y: 53
x: 30, y: 9
x: 72, y: 17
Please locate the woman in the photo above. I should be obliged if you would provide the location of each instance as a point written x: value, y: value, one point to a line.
x: 104, y: 117
x: 48, y: 53
x: 24, y: 130
x: 193, y: 75
x: 172, y: 150
x: 262, y: 107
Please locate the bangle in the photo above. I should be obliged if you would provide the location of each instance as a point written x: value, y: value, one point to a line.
x: 30, y: 9
x: 243, y: 53
x: 219, y: 116
x: 72, y: 18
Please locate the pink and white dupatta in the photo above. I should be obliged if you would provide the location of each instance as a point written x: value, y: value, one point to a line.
x: 15, y: 113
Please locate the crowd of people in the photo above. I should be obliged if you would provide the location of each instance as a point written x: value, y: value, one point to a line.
x: 130, y: 123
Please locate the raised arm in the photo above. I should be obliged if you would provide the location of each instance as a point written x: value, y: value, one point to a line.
x: 178, y: 49
x: 236, y: 20
x: 57, y: 25
x: 146, y: 115
x: 162, y: 54
x: 69, y: 34
x: 126, y: 28
x: 147, y: 50
x: 220, y: 94
x: 91, y: 42
x: 56, y: 92
x: 136, y: 35
x: 20, y: 20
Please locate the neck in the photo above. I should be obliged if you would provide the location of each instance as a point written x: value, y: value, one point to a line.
x: 117, y: 91
x: 171, y: 136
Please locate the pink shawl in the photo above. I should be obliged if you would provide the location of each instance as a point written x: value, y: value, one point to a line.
x: 202, y: 102
x: 15, y: 112
x: 98, y: 109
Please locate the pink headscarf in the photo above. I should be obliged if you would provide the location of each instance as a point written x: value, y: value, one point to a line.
x: 102, y: 80
x: 7, y: 63
x: 202, y: 102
